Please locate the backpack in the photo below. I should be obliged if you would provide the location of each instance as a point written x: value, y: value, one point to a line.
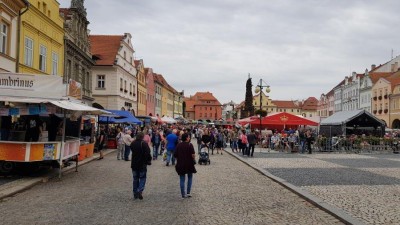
x: 244, y: 139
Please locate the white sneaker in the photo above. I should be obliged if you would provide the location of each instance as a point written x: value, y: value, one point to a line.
x: 188, y: 196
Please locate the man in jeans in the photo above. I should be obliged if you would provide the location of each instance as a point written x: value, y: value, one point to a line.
x: 172, y: 141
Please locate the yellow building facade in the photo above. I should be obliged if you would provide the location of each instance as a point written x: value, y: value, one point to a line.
x: 394, y: 110
x: 380, y: 103
x: 178, y: 104
x: 164, y: 102
x: 142, y: 89
x: 42, y: 39
x: 267, y: 104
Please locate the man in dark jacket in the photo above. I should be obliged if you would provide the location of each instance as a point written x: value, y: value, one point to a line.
x: 140, y: 159
x: 252, y: 139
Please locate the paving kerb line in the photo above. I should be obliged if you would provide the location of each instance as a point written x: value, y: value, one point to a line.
x: 332, y: 210
x: 20, y: 185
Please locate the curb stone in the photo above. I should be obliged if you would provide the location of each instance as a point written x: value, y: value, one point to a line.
x: 332, y: 210
x: 23, y: 184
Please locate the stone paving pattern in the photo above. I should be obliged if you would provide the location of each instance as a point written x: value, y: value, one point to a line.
x: 366, y: 186
x: 225, y: 192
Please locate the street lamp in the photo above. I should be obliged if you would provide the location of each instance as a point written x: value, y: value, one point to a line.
x: 258, y: 90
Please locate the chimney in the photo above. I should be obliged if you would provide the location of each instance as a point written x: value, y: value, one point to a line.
x: 373, y: 66
x: 354, y: 74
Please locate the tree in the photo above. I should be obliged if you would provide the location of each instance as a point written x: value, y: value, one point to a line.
x: 248, y: 104
x: 262, y: 112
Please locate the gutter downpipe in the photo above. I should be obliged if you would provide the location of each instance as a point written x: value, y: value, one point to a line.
x: 19, y: 34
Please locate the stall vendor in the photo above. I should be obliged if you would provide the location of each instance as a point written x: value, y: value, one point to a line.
x: 34, y: 127
x: 5, y: 127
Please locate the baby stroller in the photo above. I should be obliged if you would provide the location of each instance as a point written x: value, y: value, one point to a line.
x: 204, y: 156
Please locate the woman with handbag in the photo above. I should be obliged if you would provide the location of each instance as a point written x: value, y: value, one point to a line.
x: 185, y: 156
x: 140, y: 159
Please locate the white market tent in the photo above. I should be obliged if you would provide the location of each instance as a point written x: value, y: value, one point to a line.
x: 169, y: 120
x: 346, y: 122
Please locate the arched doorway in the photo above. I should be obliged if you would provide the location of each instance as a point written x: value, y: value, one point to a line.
x: 396, y: 124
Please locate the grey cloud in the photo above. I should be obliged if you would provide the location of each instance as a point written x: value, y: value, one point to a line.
x: 301, y: 48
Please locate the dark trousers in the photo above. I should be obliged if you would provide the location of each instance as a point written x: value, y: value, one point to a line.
x: 309, y: 147
x: 250, y: 150
x: 127, y: 152
x: 244, y: 149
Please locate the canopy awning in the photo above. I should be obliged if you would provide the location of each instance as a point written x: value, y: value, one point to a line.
x: 74, y: 106
x: 167, y: 119
x: 284, y: 118
x: 363, y: 118
x: 126, y: 117
x: 62, y: 103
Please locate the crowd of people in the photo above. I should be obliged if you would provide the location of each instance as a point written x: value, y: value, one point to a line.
x: 173, y: 144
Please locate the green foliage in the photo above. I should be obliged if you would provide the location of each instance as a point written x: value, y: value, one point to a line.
x: 262, y: 112
x: 248, y: 104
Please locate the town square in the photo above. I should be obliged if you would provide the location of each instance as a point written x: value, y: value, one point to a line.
x: 199, y: 112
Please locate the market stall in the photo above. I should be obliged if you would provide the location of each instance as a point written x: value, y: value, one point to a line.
x: 35, y: 113
x: 352, y: 122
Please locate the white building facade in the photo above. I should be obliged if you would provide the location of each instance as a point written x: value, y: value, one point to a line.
x: 115, y: 86
x: 365, y: 92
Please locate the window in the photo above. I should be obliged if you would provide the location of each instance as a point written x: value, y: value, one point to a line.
x: 101, y: 80
x: 120, y: 84
x: 42, y: 58
x: 44, y: 8
x: 28, y: 57
x: 125, y: 85
x: 201, y: 114
x: 55, y: 63
x: 3, y: 38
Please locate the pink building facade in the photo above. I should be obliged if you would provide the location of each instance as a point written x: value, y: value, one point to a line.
x: 151, y: 92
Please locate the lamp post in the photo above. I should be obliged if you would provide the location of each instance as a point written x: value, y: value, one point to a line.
x: 258, y: 90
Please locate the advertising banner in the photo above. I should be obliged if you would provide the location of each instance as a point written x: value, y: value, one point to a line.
x: 33, y: 86
x: 74, y: 89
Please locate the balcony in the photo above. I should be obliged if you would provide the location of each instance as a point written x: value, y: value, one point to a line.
x: 374, y: 98
x: 380, y: 97
x: 385, y: 96
x: 386, y: 111
x: 380, y: 111
x: 374, y: 111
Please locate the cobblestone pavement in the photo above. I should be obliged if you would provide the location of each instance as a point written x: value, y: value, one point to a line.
x: 366, y: 186
x: 225, y: 192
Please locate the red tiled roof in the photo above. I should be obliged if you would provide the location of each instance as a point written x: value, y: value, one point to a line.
x: 375, y: 76
x: 66, y: 13
x: 284, y: 104
x: 204, y: 96
x: 310, y: 104
x: 189, y: 104
x: 105, y: 48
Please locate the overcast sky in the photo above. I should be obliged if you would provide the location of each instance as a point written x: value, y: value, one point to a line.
x: 299, y: 48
